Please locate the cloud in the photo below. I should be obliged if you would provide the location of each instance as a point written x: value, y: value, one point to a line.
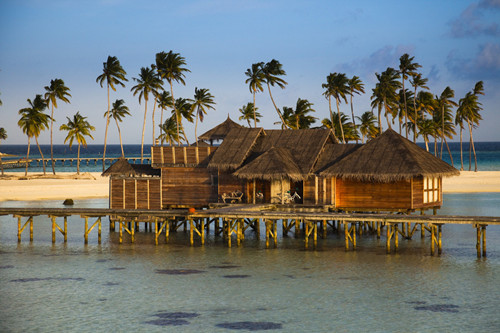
x: 376, y: 62
x: 485, y: 64
x: 472, y: 23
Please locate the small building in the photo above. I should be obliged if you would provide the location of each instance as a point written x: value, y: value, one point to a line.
x: 303, y: 167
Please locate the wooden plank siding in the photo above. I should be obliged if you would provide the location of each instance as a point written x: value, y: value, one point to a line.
x: 135, y: 193
x: 309, y: 191
x: 363, y: 195
x: 187, y: 187
x: 182, y: 156
x: 418, y: 194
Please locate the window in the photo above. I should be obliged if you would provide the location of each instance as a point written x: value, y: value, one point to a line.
x: 431, y: 190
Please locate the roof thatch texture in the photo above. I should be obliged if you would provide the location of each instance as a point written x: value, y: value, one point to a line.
x: 200, y: 143
x: 333, y: 153
x: 123, y: 168
x: 220, y: 131
x: 235, y: 148
x: 276, y: 163
x: 389, y: 158
x: 304, y: 145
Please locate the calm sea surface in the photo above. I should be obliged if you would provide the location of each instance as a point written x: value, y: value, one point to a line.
x: 488, y: 155
x: 133, y: 287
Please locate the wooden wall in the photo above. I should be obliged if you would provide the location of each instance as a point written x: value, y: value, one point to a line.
x: 135, y: 193
x: 188, y: 186
x: 418, y: 194
x: 362, y: 195
x: 171, y: 155
x: 318, y: 191
x: 230, y: 183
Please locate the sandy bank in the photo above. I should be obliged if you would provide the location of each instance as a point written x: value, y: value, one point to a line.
x: 14, y: 186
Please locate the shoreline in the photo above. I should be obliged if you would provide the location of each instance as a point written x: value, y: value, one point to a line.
x: 16, y: 187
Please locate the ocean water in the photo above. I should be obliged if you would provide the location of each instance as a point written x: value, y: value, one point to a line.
x: 488, y: 155
x: 174, y: 287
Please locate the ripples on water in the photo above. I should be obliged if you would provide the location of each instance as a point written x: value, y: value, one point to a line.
x: 178, y: 288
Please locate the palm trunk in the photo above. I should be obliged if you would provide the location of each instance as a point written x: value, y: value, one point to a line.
x: 442, y: 132
x: 105, y: 135
x: 144, y: 127
x: 1, y: 164
x: 41, y: 154
x: 51, y: 146
x: 277, y: 110
x: 461, y: 150
x: 78, y: 160
x: 27, y: 157
x: 379, y: 119
x: 153, y: 118
x: 331, y: 115
x: 161, y: 121
x: 386, y: 115
x: 473, y: 148
x: 470, y: 146
x: 176, y: 114
x: 435, y: 146
x: 254, y: 118
x: 195, y: 129
x: 416, y: 115
x: 406, y: 108
x: 340, y: 121
x: 120, y: 136
x: 353, y: 121
x: 426, y: 143
x: 449, y: 152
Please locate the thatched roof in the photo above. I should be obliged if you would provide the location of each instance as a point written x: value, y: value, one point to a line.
x: 333, y: 153
x: 123, y: 168
x: 235, y: 149
x: 276, y: 163
x: 200, y: 143
x: 387, y: 158
x: 304, y: 145
x: 220, y: 131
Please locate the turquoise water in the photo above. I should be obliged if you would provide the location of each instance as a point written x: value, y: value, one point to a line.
x: 132, y: 287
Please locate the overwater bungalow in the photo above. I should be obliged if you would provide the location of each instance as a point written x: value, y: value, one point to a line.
x: 305, y: 167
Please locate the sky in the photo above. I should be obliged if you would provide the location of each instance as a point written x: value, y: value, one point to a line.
x: 457, y: 42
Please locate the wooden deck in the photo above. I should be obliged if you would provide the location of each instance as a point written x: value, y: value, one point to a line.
x: 236, y: 219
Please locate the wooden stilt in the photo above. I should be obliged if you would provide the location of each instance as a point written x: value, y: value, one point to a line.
x: 202, y: 231
x: 483, y: 234
x: 191, y: 231
x: 120, y: 237
x: 440, y: 233
x: 396, y: 236
x: 378, y: 230
x: 65, y: 229
x: 433, y: 239
x: 388, y: 240
x: 86, y: 235
x: 324, y: 227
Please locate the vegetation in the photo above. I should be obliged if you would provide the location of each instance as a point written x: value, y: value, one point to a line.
x: 249, y: 112
x: 118, y: 112
x: 113, y: 74
x: 3, y: 136
x: 201, y: 103
x: 78, y: 128
x: 56, y: 90
x: 33, y: 121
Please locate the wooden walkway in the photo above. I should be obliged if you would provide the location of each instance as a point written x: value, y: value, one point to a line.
x: 69, y: 160
x: 236, y: 219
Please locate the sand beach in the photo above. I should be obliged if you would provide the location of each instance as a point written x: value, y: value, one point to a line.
x: 15, y: 186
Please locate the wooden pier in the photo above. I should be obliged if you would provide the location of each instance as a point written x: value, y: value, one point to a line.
x: 232, y: 220
x: 70, y: 160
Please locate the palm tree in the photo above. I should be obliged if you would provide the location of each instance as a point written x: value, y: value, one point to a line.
x: 118, y: 112
x: 147, y: 83
x: 113, y: 74
x: 385, y: 94
x: 336, y: 86
x: 350, y: 132
x: 468, y: 110
x: 77, y: 128
x: 182, y: 110
x: 426, y: 128
x: 202, y: 102
x: 403, y: 96
x: 32, y: 122
x: 56, y: 90
x: 444, y: 103
x: 299, y: 118
x: 3, y: 136
x: 254, y: 81
x: 169, y: 131
x: 367, y: 127
x: 417, y: 81
x: 271, y: 72
x: 249, y: 112
x: 356, y: 86
x: 164, y: 101
x: 169, y: 67
x: 407, y: 67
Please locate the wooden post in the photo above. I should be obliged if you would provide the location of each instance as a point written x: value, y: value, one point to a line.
x: 120, y: 238
x: 388, y: 241
x: 202, y: 231
x: 86, y: 234
x: 31, y: 228
x: 378, y: 230
x: 297, y: 228
x: 346, y: 232
x: 396, y: 236
x: 433, y: 237
x: 19, y: 229
x: 306, y: 233
x: 132, y: 231
x: 53, y: 229
x: 66, y: 229
x: 99, y: 230
x: 324, y: 228
x: 315, y: 236
x: 191, y: 230
x: 440, y: 233
x: 483, y: 233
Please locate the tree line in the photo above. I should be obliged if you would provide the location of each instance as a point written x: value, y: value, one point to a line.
x: 415, y: 110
